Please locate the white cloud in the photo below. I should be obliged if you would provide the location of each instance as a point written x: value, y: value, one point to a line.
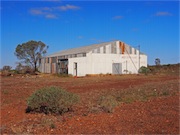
x: 67, y: 7
x: 36, y: 12
x: 51, y: 16
x: 45, y: 12
x: 117, y: 17
x: 51, y: 12
x: 47, y: 8
x: 163, y: 14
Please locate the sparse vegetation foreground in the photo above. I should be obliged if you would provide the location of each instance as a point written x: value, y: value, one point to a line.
x: 52, y: 100
x: 126, y: 104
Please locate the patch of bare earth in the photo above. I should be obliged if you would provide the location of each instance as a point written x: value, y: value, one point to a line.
x: 155, y: 115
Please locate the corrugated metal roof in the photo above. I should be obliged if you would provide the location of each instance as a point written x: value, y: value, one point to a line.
x: 84, y: 49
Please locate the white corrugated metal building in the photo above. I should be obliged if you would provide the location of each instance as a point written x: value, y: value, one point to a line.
x: 113, y: 57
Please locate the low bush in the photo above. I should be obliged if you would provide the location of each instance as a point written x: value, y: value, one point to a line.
x: 144, y: 70
x: 51, y: 100
x: 108, y: 103
x: 146, y: 91
x: 6, y: 73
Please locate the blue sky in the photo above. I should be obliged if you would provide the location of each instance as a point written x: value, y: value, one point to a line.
x: 154, y: 25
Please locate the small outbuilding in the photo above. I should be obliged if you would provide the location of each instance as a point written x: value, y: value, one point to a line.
x: 115, y: 57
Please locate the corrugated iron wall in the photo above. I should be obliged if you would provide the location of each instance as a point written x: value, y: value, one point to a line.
x: 53, y: 68
x: 47, y: 68
x: 48, y: 65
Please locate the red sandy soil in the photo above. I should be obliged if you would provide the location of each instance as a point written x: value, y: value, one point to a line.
x: 159, y: 115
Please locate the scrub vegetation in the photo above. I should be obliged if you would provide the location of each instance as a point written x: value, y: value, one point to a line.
x: 115, y: 104
x: 51, y: 100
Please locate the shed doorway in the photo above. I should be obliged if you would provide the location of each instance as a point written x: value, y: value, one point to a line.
x: 116, y: 68
x: 75, y: 69
x: 63, y: 66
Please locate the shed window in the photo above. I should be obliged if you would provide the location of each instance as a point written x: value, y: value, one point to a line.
x: 53, y: 59
x: 61, y: 57
x: 74, y: 55
x: 84, y: 54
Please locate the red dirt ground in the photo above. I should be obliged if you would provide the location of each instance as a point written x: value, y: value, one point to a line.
x: 159, y: 115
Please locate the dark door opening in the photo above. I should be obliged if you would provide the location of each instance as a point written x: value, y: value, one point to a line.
x: 63, y: 66
x: 75, y: 69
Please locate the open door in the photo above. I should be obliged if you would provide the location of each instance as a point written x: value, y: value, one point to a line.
x: 75, y: 69
x: 63, y: 66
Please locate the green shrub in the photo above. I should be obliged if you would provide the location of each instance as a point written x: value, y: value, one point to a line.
x: 52, y: 125
x: 108, y: 103
x: 51, y: 100
x: 144, y: 70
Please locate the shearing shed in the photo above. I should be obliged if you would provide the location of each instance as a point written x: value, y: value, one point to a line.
x: 115, y: 57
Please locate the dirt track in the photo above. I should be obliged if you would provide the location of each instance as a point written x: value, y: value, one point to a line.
x: 155, y: 116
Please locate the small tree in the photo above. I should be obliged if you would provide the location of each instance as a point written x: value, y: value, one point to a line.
x: 157, y: 62
x: 30, y: 52
x: 7, y: 68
